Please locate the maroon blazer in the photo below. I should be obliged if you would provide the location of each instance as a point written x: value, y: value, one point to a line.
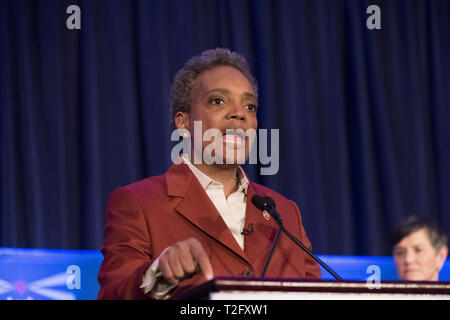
x: 144, y: 218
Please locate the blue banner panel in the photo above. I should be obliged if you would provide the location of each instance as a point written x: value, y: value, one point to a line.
x: 42, y: 274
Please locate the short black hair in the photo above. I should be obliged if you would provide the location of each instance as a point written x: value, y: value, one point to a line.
x: 415, y: 223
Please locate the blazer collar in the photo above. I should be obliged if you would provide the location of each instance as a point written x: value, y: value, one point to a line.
x: 178, y: 179
x: 196, y: 206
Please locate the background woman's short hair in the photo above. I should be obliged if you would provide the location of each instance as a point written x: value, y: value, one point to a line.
x: 415, y: 223
x: 184, y: 80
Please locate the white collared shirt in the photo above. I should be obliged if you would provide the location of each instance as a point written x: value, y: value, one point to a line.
x: 231, y: 209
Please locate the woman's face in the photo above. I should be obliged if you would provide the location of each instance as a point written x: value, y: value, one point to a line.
x: 222, y: 99
x: 416, y: 259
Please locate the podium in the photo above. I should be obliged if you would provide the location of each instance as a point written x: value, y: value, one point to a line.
x: 293, y: 289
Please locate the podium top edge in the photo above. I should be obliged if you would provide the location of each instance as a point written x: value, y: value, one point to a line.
x: 225, y: 284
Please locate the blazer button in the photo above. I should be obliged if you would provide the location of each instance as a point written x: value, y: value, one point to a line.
x: 248, y: 273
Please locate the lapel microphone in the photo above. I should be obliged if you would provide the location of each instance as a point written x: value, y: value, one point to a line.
x: 268, y: 204
x: 248, y: 231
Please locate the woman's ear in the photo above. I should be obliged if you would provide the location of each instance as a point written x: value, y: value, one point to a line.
x: 181, y: 120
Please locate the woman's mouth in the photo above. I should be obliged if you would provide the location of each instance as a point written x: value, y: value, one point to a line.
x: 233, y: 139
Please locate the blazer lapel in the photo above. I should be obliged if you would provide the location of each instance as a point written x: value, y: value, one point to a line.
x: 260, y: 241
x: 196, y: 207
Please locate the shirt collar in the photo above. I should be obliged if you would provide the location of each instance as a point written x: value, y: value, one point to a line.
x: 206, y: 181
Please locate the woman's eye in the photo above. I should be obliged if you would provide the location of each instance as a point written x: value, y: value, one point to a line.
x: 399, y: 253
x: 217, y: 101
x: 252, y: 107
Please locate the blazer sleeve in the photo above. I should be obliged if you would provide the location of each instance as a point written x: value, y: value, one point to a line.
x: 313, y: 270
x: 126, y: 248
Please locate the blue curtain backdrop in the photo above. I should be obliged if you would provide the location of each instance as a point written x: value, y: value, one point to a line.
x: 363, y: 114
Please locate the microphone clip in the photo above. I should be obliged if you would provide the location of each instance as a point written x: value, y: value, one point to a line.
x: 249, y: 231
